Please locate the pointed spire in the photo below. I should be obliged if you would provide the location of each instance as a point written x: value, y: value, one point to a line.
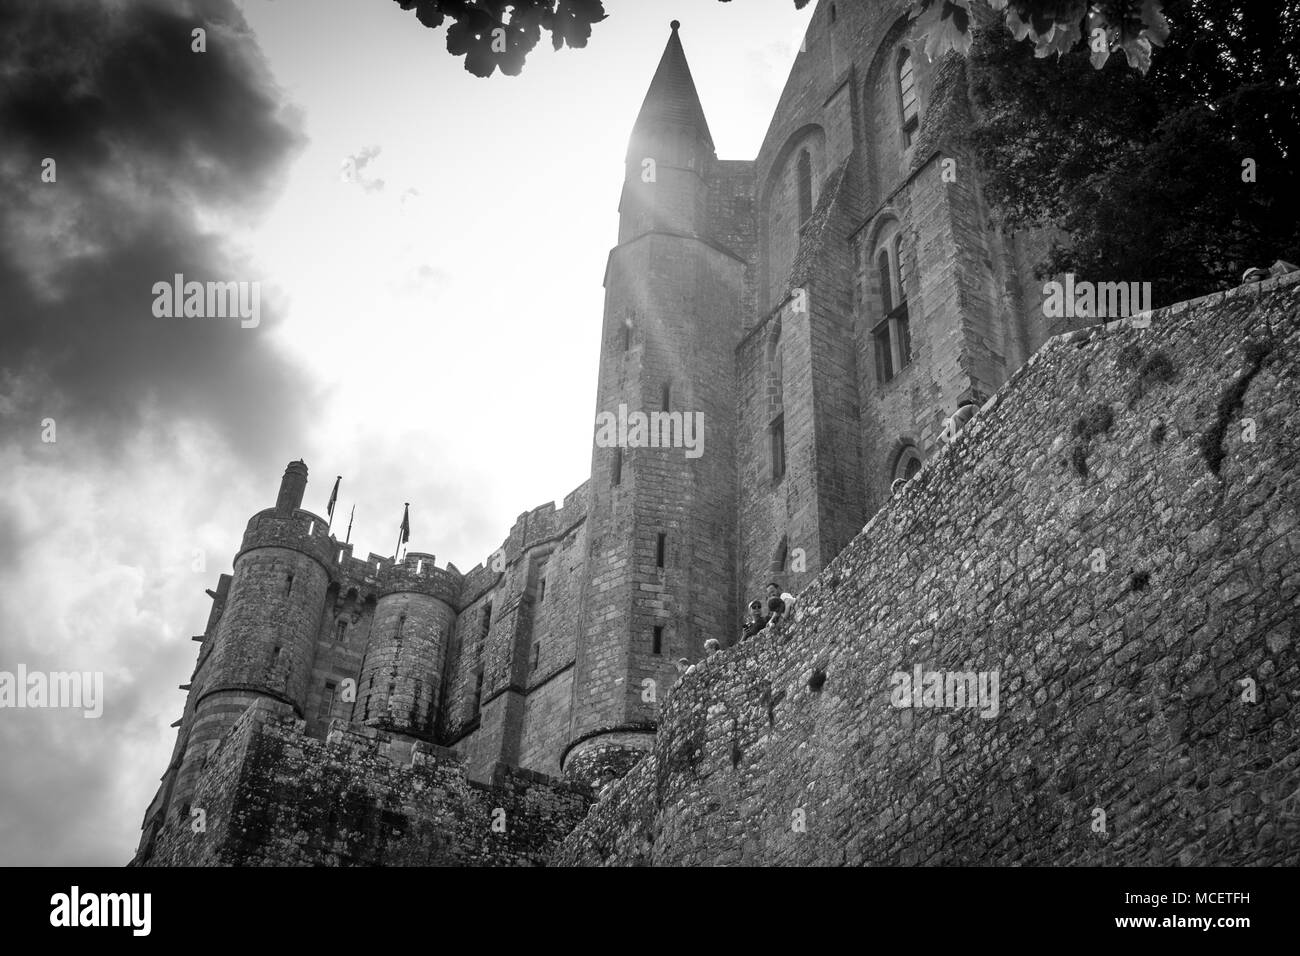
x: 672, y: 97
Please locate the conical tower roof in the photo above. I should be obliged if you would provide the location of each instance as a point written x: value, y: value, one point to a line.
x: 672, y: 97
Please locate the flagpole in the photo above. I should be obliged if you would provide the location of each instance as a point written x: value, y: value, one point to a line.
x: 402, y: 532
x: 350, y: 517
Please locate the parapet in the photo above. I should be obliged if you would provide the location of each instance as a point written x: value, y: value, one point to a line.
x: 299, y: 530
x: 546, y: 522
x: 418, y: 574
x: 532, y: 528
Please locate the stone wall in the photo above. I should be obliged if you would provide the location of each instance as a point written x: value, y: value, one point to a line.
x: 274, y: 797
x: 1112, y: 542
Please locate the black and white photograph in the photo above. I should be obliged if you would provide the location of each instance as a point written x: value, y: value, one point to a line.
x: 574, y: 434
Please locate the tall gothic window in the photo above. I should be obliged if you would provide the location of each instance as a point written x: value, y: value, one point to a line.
x: 805, y: 186
x: 891, y: 335
x: 909, y: 106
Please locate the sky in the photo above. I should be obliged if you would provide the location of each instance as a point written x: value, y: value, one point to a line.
x: 429, y: 248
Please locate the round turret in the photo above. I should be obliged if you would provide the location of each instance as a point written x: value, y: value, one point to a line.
x: 401, y: 678
x: 265, y: 642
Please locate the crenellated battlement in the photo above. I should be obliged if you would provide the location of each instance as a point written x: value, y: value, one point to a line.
x: 545, y: 523
x: 299, y: 530
x: 419, y: 574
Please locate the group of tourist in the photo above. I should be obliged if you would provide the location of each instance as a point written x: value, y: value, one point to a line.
x: 760, y: 616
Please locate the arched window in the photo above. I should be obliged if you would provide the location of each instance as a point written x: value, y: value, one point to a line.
x: 891, y: 334
x: 908, y: 104
x: 907, y: 464
x: 805, y: 186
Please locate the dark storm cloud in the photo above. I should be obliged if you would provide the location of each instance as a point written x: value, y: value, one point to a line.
x: 145, y: 133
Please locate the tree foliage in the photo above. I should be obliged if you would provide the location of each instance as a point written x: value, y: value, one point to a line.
x: 1054, y: 26
x: 1184, y: 176
x: 499, y: 34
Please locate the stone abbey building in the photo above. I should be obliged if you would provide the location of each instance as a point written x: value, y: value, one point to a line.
x: 824, y: 306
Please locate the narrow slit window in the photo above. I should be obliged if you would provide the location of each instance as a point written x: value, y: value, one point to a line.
x: 341, y: 631
x: 478, y: 690
x: 661, y: 547
x: 537, y: 654
x: 326, y: 701
x: 665, y: 396
x: 288, y: 584
x: 541, y: 590
x: 778, y: 448
x: 805, y: 187
x: 658, y: 645
x: 616, y: 471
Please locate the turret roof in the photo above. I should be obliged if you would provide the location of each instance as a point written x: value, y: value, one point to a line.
x: 672, y: 97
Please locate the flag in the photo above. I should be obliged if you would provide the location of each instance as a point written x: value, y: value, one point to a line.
x: 404, y: 533
x: 334, y: 497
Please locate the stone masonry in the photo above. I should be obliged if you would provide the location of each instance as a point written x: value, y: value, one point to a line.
x: 1108, y: 536
x: 273, y: 796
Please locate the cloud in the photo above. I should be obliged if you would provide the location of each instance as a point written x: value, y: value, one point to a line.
x: 161, y: 156
x: 354, y: 170
x: 105, y: 582
x: 159, y: 152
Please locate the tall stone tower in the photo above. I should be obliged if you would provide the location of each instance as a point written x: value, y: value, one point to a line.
x: 661, y: 550
x: 265, y: 638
